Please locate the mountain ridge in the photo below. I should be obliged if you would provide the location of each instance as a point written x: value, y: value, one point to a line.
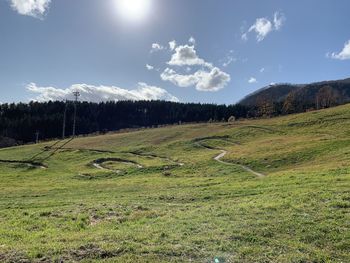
x: 278, y: 92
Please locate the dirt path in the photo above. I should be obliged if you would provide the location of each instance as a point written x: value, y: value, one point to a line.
x: 219, y: 157
x: 99, y: 164
x: 29, y: 163
x: 223, y: 153
x: 100, y: 167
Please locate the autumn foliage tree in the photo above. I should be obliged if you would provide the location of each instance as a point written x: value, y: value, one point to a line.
x: 290, y: 104
x: 265, y: 106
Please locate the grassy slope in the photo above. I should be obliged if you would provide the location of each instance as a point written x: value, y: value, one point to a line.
x: 200, y: 211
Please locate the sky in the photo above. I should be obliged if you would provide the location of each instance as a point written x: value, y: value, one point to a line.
x: 208, y: 51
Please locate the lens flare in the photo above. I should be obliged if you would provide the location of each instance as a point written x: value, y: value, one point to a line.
x: 134, y: 10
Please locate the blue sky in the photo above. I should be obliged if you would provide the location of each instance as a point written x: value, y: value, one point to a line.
x: 119, y: 49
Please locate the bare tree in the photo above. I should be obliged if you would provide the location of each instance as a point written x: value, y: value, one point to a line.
x: 326, y: 97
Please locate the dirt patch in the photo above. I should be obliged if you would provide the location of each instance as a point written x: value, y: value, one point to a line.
x: 85, y: 252
x: 91, y: 251
x: 28, y: 163
x: 14, y: 257
x: 109, y: 217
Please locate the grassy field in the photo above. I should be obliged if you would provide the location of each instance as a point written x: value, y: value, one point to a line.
x: 93, y: 202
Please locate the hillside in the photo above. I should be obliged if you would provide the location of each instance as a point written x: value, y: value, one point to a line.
x: 269, y: 190
x: 307, y: 93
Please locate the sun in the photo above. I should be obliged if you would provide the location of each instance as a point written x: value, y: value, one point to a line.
x: 134, y: 10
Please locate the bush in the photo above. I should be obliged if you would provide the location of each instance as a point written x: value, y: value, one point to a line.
x: 7, y: 142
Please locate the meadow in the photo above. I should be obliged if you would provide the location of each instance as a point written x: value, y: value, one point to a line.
x: 158, y: 195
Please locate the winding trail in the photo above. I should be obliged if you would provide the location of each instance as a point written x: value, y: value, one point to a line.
x: 219, y: 157
x: 100, y: 167
x: 99, y: 164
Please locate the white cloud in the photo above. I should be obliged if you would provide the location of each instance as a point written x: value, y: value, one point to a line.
x: 263, y: 26
x: 192, y: 41
x: 228, y: 62
x: 149, y: 67
x: 205, y: 76
x: 252, y: 80
x: 229, y: 59
x: 342, y: 55
x: 262, y: 70
x: 178, y: 79
x: 278, y: 20
x: 34, y: 8
x: 213, y: 80
x: 187, y: 56
x: 157, y: 47
x: 172, y: 45
x: 101, y: 93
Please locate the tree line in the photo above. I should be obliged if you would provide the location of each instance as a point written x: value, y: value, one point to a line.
x: 296, y: 101
x: 21, y: 121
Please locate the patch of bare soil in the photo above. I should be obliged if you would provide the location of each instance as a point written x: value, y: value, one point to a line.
x: 14, y: 257
x: 28, y: 163
x: 91, y: 251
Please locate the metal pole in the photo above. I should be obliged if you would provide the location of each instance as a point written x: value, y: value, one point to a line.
x: 76, y: 95
x: 64, y: 121
x: 37, y: 137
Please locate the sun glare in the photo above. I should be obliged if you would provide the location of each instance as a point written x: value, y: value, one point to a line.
x: 134, y: 10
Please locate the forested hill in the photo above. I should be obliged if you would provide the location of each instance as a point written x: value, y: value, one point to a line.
x: 21, y: 121
x: 298, y: 98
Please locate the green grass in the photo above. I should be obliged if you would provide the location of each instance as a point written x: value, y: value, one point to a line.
x: 200, y: 212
